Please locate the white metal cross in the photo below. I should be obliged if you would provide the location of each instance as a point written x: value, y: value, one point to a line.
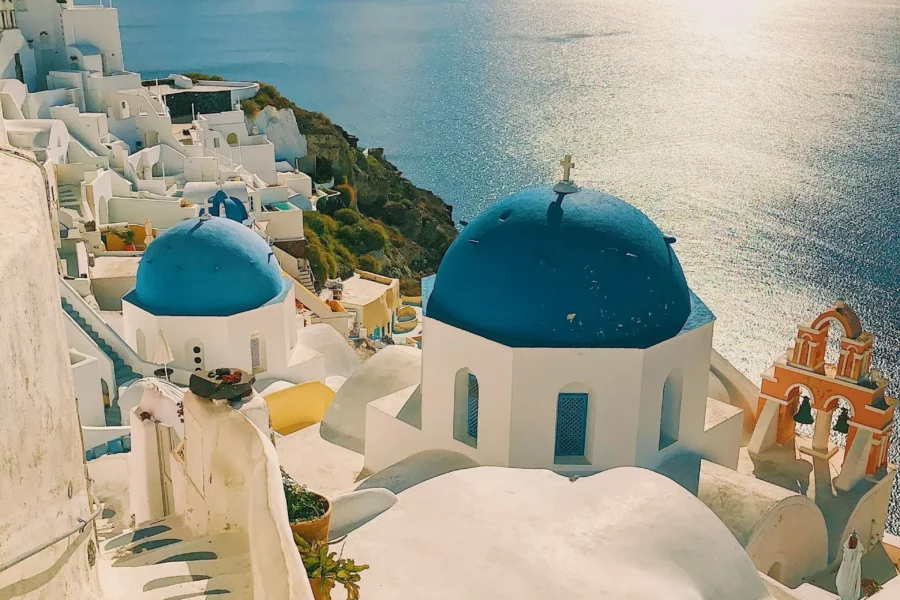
x: 567, y: 166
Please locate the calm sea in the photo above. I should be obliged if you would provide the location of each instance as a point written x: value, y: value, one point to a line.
x: 763, y: 134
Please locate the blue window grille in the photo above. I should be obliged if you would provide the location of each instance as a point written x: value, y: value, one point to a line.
x: 571, y: 424
x: 472, y: 410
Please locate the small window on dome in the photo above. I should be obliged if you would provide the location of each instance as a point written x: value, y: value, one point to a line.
x: 141, y: 344
x: 571, y: 424
x: 257, y: 353
x: 466, y: 397
x: 670, y: 414
x: 574, y: 425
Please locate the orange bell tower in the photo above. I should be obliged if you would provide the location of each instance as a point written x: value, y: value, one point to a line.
x: 803, y: 373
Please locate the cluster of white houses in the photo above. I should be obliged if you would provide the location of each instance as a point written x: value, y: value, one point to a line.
x: 558, y: 411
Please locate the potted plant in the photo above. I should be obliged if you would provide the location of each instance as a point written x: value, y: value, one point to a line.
x: 127, y: 237
x: 326, y: 569
x: 309, y: 513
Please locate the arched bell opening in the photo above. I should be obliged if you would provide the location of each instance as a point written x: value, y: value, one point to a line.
x: 841, y: 414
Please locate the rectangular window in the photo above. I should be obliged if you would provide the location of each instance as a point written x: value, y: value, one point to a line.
x: 571, y: 424
x: 255, y: 354
x: 472, y: 407
x: 465, y: 408
x: 215, y: 142
x: 20, y: 74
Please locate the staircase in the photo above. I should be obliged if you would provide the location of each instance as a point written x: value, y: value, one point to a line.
x: 67, y: 195
x: 123, y: 372
x: 306, y: 279
x: 163, y: 561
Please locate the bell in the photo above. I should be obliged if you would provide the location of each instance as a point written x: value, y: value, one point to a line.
x: 842, y: 425
x: 804, y: 415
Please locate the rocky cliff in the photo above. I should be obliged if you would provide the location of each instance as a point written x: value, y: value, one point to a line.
x: 381, y: 222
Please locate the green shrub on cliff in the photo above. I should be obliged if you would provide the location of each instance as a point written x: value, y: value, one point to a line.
x: 347, y: 216
x: 321, y: 262
x: 348, y: 194
x: 367, y: 262
x: 327, y: 257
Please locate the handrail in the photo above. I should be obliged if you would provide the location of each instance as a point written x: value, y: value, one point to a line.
x: 82, y: 525
x: 110, y: 336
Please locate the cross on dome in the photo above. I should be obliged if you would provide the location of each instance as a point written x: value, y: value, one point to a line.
x: 565, y: 185
x: 567, y: 166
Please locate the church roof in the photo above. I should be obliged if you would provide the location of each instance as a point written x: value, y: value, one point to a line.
x: 626, y: 533
x: 589, y: 272
x: 207, y: 267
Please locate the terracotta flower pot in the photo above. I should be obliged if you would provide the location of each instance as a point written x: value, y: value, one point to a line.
x: 321, y: 589
x: 315, y: 530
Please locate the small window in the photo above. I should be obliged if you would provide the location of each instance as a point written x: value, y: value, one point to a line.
x: 257, y: 354
x: 141, y: 343
x: 571, y: 426
x: 465, y: 408
x: 472, y: 407
x: 670, y: 414
x: 215, y: 142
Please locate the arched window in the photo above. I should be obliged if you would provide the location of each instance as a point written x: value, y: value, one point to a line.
x: 571, y: 425
x: 670, y: 415
x: 193, y: 354
x: 465, y: 408
x: 257, y: 353
x: 232, y: 139
x: 140, y: 341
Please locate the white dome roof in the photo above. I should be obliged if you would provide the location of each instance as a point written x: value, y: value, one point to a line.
x: 491, y: 532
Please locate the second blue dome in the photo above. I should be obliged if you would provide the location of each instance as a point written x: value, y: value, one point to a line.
x: 207, y: 267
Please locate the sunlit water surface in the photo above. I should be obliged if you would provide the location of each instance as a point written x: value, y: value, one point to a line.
x: 763, y: 134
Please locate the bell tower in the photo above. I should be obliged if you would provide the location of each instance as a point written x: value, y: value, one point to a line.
x: 802, y: 380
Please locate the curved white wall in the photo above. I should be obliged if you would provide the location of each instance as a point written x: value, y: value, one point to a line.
x: 389, y: 371
x: 40, y: 441
x: 774, y: 525
x: 233, y: 482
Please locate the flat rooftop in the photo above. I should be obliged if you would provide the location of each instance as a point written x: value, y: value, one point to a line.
x: 166, y: 90
x: 362, y: 291
x: 115, y: 266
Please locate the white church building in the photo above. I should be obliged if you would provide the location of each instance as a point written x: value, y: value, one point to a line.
x: 212, y: 290
x: 561, y: 334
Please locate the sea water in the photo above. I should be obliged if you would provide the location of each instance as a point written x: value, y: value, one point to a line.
x: 763, y: 134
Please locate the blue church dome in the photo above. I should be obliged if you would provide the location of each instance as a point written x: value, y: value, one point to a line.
x: 589, y: 272
x: 207, y: 267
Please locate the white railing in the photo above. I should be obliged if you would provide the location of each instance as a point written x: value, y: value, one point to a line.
x: 109, y: 335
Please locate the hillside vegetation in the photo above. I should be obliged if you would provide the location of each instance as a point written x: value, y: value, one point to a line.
x: 381, y: 222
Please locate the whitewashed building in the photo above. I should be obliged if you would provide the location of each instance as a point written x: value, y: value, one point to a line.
x: 213, y: 289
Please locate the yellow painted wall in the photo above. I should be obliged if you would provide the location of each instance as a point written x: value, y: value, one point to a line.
x: 298, y: 406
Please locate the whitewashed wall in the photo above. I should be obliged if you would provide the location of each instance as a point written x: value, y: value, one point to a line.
x: 225, y: 341
x: 163, y: 214
x: 88, y: 391
x: 98, y: 26
x: 40, y: 442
